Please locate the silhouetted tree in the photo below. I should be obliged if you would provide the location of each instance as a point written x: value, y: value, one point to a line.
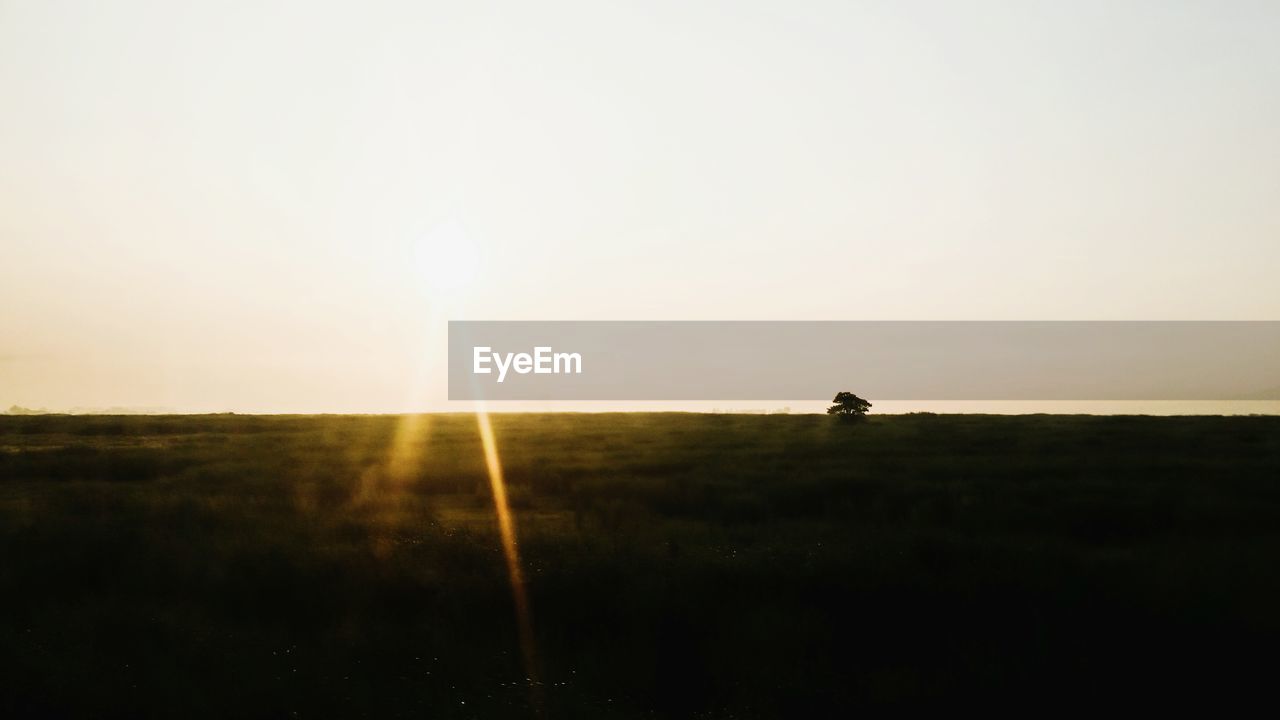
x: 849, y: 406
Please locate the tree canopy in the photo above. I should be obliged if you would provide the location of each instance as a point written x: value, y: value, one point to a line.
x: 849, y: 405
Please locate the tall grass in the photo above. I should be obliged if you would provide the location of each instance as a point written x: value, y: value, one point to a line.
x: 678, y: 565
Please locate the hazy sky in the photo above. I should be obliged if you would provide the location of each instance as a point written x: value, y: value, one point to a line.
x: 276, y: 206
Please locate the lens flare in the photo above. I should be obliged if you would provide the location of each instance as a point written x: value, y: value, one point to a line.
x: 407, y: 447
x: 506, y: 527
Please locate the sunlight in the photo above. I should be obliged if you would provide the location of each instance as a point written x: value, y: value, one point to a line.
x: 407, y: 446
x: 446, y: 259
x: 506, y: 527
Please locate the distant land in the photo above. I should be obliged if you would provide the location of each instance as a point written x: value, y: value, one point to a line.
x: 19, y: 410
x: 1263, y: 403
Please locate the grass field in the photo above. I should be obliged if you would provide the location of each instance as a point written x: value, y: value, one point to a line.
x: 676, y: 565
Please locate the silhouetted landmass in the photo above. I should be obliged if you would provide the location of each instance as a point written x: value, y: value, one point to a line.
x: 115, y: 410
x: 678, y: 565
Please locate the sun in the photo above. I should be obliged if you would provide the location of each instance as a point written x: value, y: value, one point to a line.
x: 447, y: 258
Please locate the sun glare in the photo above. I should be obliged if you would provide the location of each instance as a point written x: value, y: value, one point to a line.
x: 510, y: 549
x: 447, y: 258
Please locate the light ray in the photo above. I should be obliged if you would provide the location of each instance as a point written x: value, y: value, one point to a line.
x: 506, y: 527
x: 407, y: 446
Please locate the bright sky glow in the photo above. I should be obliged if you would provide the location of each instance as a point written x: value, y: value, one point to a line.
x: 276, y: 206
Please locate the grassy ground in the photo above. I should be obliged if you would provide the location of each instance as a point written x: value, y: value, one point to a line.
x: 677, y: 565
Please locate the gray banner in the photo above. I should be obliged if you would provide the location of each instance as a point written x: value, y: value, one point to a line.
x: 660, y: 360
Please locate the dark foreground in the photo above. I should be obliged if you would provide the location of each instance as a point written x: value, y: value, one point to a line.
x: 677, y: 565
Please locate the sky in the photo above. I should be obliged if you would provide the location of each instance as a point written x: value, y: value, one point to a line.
x: 271, y: 206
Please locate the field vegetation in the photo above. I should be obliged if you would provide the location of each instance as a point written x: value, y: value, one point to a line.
x: 677, y: 565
